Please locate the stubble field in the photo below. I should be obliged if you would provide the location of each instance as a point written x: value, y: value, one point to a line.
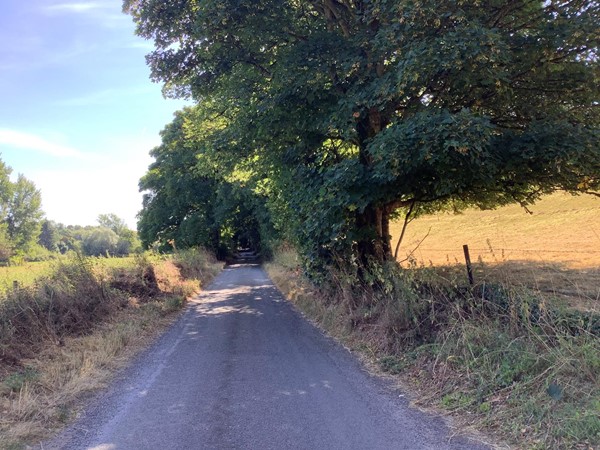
x: 555, y: 250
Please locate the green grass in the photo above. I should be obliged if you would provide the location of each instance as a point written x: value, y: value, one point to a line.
x: 27, y: 274
x: 541, y: 386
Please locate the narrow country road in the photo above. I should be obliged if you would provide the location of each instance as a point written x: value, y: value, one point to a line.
x: 242, y: 369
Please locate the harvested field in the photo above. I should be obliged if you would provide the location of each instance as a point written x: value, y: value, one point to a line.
x: 555, y: 250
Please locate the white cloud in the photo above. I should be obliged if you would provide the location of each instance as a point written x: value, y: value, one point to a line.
x: 105, y: 96
x: 108, y: 184
x: 77, y: 197
x: 107, y: 14
x: 76, y: 7
x: 40, y: 56
x: 144, y: 45
x: 26, y: 141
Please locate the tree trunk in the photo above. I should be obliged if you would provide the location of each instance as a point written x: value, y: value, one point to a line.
x: 373, y: 226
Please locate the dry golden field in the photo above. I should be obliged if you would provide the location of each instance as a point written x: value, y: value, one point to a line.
x: 555, y: 250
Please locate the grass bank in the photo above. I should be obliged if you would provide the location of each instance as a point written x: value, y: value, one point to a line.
x: 561, y: 230
x: 65, y: 335
x: 501, y: 358
x: 23, y: 275
x: 26, y: 275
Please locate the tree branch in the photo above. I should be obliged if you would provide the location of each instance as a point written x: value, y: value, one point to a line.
x: 412, y: 252
x: 407, y: 220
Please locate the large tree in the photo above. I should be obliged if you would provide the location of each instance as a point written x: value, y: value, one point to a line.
x: 128, y: 240
x: 358, y: 108
x: 178, y: 200
x: 24, y: 215
x: 6, y: 191
x: 100, y: 241
x: 112, y: 222
x: 194, y: 194
x: 49, y: 236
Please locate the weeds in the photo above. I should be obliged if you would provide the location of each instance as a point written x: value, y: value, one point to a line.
x: 516, y: 361
x: 16, y: 381
x: 196, y: 264
x: 64, y: 336
x: 24, y: 275
x: 63, y: 304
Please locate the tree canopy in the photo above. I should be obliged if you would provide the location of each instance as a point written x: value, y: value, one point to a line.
x: 192, y: 195
x: 346, y: 111
x: 20, y: 213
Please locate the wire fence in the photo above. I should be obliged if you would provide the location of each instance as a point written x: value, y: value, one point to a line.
x: 487, y: 250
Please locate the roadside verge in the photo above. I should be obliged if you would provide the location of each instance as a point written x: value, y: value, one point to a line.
x: 64, y: 338
x: 498, y: 360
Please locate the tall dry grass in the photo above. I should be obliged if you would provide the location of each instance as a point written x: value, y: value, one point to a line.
x: 561, y: 228
x: 505, y: 358
x: 65, y: 336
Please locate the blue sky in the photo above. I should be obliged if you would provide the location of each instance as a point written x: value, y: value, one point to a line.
x: 78, y: 113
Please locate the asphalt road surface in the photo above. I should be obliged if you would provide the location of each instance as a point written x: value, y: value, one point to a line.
x: 242, y: 369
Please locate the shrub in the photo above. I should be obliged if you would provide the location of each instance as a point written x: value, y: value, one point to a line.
x: 63, y: 304
x: 196, y: 263
x: 139, y: 280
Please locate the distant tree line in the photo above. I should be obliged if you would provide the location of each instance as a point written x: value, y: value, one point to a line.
x: 110, y: 238
x: 25, y: 234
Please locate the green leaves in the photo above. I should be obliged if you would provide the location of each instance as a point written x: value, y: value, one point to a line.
x: 197, y: 193
x: 350, y: 110
x: 434, y: 155
x: 21, y: 212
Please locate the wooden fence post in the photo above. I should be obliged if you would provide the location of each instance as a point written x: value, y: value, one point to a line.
x: 468, y: 261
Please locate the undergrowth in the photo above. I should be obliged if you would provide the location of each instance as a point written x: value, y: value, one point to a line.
x: 196, y: 265
x: 62, y: 304
x: 510, y: 359
x: 65, y: 335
